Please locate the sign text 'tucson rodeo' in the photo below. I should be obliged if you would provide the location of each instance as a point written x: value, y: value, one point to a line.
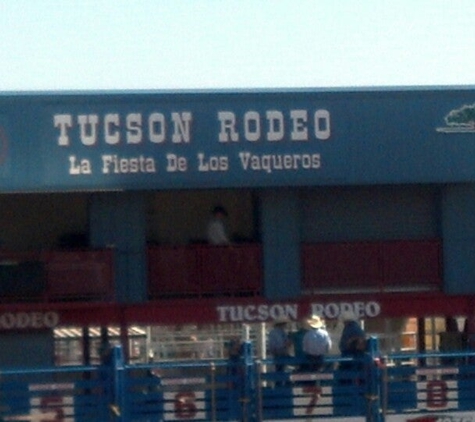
x: 269, y: 312
x: 115, y: 136
x: 176, y: 127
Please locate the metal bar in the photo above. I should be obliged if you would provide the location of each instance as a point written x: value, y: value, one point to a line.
x: 213, y: 391
x: 260, y: 404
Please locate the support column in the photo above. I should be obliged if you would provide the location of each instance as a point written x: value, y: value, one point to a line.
x: 118, y: 220
x: 280, y: 229
x: 458, y: 233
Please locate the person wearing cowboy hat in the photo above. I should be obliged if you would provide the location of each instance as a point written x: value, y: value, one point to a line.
x: 316, y: 343
x: 279, y: 344
x: 297, y: 343
x: 353, y: 338
x: 352, y: 345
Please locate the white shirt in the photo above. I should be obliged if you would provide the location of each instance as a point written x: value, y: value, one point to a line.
x: 217, y: 232
x: 316, y: 342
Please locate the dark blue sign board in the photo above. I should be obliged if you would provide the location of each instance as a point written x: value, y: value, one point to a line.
x: 121, y: 141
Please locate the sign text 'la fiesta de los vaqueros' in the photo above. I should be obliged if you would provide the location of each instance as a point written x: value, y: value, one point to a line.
x: 234, y: 140
x: 160, y: 131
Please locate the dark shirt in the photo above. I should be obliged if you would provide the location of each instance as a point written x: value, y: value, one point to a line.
x: 351, y: 338
x: 278, y: 342
x: 297, y: 340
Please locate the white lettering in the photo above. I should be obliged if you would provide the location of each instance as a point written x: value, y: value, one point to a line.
x: 276, y: 125
x: 28, y: 320
x: 322, y: 124
x: 334, y: 310
x: 156, y: 127
x: 115, y: 131
x: 252, y: 126
x: 269, y: 163
x: 261, y: 313
x: 176, y: 163
x: 79, y: 166
x: 133, y: 123
x: 111, y: 129
x: 212, y: 163
x: 273, y: 127
x: 181, y: 127
x: 64, y: 122
x: 51, y: 319
x: 113, y: 164
x: 228, y: 127
x: 133, y: 128
x: 36, y: 320
x: 249, y: 313
x: 222, y: 316
x: 299, y: 125
x: 88, y: 128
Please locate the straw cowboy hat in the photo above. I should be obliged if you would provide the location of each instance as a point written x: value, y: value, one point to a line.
x: 315, y: 322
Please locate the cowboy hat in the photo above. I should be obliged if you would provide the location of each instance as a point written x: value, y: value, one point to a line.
x: 315, y: 322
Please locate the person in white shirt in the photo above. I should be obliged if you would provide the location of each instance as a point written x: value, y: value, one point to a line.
x: 216, y: 230
x: 316, y: 343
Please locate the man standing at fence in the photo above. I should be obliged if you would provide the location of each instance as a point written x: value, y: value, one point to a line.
x: 316, y: 343
x: 352, y: 345
x: 279, y: 344
x: 297, y: 341
x: 353, y: 338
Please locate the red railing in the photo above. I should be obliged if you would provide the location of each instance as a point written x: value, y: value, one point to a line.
x: 80, y: 275
x: 202, y: 270
x: 381, y: 266
x: 56, y: 275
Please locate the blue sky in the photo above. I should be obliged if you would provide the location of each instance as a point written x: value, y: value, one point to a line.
x: 209, y: 44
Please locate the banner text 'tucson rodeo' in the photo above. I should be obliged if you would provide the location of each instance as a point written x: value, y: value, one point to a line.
x: 177, y: 127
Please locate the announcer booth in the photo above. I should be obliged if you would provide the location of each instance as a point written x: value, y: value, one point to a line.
x: 336, y: 199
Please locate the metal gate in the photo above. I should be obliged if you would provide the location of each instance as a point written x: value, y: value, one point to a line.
x: 403, y: 387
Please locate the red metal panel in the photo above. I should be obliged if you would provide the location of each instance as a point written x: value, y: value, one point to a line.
x: 341, y: 265
x: 230, y: 269
x: 79, y: 274
x: 248, y: 266
x: 204, y: 270
x: 404, y: 264
x: 172, y: 271
x: 412, y: 263
x: 216, y: 263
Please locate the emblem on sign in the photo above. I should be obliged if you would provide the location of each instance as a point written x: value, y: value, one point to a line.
x: 459, y: 120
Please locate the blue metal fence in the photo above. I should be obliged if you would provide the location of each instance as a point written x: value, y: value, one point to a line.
x: 397, y: 387
x: 55, y: 394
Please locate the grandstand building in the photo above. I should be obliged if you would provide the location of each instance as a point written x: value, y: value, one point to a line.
x: 336, y: 198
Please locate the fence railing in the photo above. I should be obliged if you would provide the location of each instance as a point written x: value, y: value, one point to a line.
x: 49, y: 276
x: 202, y: 270
x: 373, y: 265
x: 398, y: 387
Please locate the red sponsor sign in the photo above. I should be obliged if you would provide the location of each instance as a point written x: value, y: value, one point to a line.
x: 238, y: 310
